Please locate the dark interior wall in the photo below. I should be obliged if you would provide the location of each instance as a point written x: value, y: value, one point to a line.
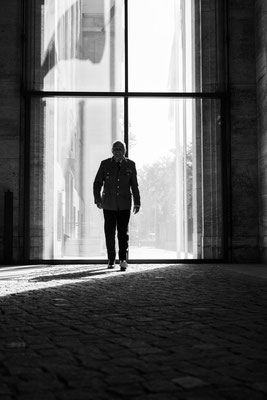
x: 244, y: 152
x: 261, y: 74
x: 244, y: 166
x: 10, y: 118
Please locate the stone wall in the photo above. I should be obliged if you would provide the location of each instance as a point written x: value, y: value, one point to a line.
x: 10, y: 113
x: 261, y: 73
x: 244, y: 167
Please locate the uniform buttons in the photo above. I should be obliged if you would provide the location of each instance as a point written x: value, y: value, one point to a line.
x: 118, y: 180
x: 118, y: 187
x: 117, y: 194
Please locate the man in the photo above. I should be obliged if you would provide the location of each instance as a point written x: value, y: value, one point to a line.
x: 118, y: 177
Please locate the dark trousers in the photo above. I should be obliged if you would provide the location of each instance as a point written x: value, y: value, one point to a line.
x: 120, y: 220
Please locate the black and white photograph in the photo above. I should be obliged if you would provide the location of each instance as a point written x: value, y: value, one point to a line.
x: 133, y: 200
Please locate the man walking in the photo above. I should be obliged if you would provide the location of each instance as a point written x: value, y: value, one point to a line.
x: 117, y: 175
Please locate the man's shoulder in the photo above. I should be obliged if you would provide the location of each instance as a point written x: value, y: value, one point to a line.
x: 106, y: 161
x: 129, y: 162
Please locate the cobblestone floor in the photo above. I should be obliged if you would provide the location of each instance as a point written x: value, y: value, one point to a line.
x: 161, y: 332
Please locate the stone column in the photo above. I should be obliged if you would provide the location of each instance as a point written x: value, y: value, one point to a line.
x: 261, y: 76
x: 10, y: 117
x: 244, y: 167
x: 209, y: 79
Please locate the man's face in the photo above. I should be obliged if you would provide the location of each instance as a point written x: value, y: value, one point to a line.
x: 118, y: 151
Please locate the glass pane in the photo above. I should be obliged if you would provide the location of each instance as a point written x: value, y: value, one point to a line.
x: 175, y: 45
x: 78, y: 45
x: 176, y: 146
x: 69, y: 138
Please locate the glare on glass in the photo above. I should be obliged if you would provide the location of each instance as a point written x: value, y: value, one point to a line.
x: 176, y: 147
x: 80, y: 46
x: 171, y: 50
x: 70, y: 136
x: 161, y: 45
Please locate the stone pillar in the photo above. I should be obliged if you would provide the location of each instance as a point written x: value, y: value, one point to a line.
x: 261, y: 75
x: 10, y: 116
x: 37, y: 164
x: 244, y: 168
x: 209, y: 78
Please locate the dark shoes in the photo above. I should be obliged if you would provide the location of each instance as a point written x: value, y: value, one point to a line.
x: 123, y: 265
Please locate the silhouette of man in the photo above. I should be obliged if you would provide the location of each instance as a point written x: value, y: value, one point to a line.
x: 118, y: 178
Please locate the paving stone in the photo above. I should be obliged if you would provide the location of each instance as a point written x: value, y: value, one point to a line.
x: 160, y: 386
x: 189, y: 382
x: 5, y: 390
x: 241, y: 393
x: 126, y: 389
x: 158, y: 396
x: 260, y: 386
x: 36, y: 395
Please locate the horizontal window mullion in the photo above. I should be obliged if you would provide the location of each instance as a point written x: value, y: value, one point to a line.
x: 194, y: 95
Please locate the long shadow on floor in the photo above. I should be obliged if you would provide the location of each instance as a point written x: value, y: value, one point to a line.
x: 76, y: 275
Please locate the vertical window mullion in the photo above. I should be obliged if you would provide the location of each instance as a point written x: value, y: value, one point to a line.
x: 126, y: 44
x: 126, y: 138
x: 126, y: 113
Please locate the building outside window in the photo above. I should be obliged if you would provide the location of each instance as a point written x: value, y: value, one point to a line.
x: 151, y: 73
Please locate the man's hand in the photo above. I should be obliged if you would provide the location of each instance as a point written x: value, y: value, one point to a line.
x: 99, y: 204
x: 136, y: 209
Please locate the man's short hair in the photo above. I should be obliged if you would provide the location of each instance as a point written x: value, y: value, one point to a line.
x: 120, y: 142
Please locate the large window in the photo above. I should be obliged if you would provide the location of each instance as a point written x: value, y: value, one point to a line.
x: 148, y: 72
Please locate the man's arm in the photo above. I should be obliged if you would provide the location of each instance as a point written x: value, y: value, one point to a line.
x: 98, y: 183
x: 135, y: 191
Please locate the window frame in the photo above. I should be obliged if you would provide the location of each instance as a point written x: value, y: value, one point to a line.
x: 29, y: 94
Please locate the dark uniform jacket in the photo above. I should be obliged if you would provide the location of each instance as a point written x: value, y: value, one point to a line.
x: 119, y: 185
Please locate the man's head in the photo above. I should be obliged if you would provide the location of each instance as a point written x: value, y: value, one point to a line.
x: 118, y: 150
